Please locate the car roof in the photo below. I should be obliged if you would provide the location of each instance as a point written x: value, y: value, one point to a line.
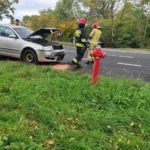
x: 11, y: 26
x: 52, y: 28
x: 14, y: 26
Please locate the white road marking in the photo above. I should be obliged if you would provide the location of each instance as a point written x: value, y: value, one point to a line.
x: 112, y: 55
x: 126, y: 64
x: 121, y: 56
x: 126, y: 56
x: 126, y: 70
x: 125, y: 51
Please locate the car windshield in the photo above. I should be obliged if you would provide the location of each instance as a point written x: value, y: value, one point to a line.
x: 23, y: 32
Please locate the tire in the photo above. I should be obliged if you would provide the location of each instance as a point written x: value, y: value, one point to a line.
x: 30, y: 57
x: 2, y: 57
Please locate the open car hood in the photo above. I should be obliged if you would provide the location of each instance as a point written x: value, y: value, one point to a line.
x: 53, y: 34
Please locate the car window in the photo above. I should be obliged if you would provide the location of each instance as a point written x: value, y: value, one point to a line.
x: 23, y: 32
x: 6, y: 32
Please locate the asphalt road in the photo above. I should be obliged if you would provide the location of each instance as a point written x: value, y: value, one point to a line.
x: 118, y: 63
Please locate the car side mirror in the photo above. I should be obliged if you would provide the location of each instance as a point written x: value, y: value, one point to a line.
x: 13, y: 36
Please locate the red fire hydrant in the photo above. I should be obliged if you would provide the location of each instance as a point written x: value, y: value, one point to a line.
x: 98, y: 54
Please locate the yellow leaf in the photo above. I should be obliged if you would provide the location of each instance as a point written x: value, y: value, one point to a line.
x: 50, y: 142
x: 110, y: 141
x: 132, y: 124
x: 128, y: 142
x: 30, y: 137
x: 109, y: 127
x: 142, y: 131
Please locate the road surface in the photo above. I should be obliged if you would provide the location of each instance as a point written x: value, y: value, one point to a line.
x: 118, y: 63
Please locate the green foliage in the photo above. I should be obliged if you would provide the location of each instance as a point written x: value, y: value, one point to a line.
x: 68, y: 9
x: 125, y: 23
x: 64, y: 9
x: 131, y: 28
x: 99, y: 8
x: 6, y: 7
x: 68, y: 28
x: 44, y: 109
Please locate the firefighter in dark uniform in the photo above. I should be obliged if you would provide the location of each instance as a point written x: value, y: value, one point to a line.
x: 80, y: 42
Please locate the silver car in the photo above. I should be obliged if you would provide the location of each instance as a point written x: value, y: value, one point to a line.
x: 31, y: 47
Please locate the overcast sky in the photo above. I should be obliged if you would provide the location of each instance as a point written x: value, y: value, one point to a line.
x: 31, y: 7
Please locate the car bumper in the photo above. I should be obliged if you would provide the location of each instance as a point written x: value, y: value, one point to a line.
x: 51, y: 56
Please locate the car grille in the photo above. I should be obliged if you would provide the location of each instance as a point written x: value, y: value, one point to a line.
x: 59, y: 54
x: 57, y: 47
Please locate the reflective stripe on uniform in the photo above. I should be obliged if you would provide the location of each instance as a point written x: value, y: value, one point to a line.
x: 90, y: 56
x: 95, y: 34
x: 83, y: 40
x: 75, y: 60
x: 77, y: 33
x: 79, y: 45
x: 94, y: 43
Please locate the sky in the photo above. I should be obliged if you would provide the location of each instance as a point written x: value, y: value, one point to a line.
x: 31, y: 7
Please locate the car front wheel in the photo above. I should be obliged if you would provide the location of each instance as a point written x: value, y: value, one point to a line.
x: 29, y: 56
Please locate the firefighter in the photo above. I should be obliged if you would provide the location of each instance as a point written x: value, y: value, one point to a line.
x: 94, y: 41
x: 80, y: 42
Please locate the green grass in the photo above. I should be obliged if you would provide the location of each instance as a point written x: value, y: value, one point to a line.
x: 42, y: 109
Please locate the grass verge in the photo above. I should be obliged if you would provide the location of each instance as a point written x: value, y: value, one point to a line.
x: 42, y: 109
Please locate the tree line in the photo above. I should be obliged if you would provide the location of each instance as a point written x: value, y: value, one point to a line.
x: 125, y: 23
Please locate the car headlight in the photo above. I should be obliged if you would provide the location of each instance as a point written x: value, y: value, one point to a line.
x: 45, y: 48
x: 48, y: 48
x: 41, y: 49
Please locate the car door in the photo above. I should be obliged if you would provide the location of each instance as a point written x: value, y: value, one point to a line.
x: 10, y: 44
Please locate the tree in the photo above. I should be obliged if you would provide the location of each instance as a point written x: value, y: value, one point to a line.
x: 100, y: 8
x: 6, y: 8
x: 104, y: 9
x: 126, y: 28
x: 68, y: 9
x: 144, y: 14
x: 64, y: 8
x: 77, y: 11
x: 125, y: 23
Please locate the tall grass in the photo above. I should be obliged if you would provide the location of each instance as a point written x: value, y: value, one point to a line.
x: 42, y: 109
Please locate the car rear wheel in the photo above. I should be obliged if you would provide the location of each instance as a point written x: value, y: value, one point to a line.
x: 29, y: 56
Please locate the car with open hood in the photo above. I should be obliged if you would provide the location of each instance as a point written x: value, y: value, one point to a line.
x: 43, y: 45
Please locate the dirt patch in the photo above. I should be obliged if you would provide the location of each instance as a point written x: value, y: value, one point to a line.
x: 61, y: 67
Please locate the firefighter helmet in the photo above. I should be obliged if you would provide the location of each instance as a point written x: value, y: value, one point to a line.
x: 96, y: 25
x: 82, y: 21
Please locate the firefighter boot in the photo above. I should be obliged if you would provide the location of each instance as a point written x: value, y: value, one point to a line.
x: 79, y: 65
x: 74, y: 62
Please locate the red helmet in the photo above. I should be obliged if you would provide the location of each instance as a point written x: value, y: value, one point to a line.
x: 96, y: 25
x: 82, y: 21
